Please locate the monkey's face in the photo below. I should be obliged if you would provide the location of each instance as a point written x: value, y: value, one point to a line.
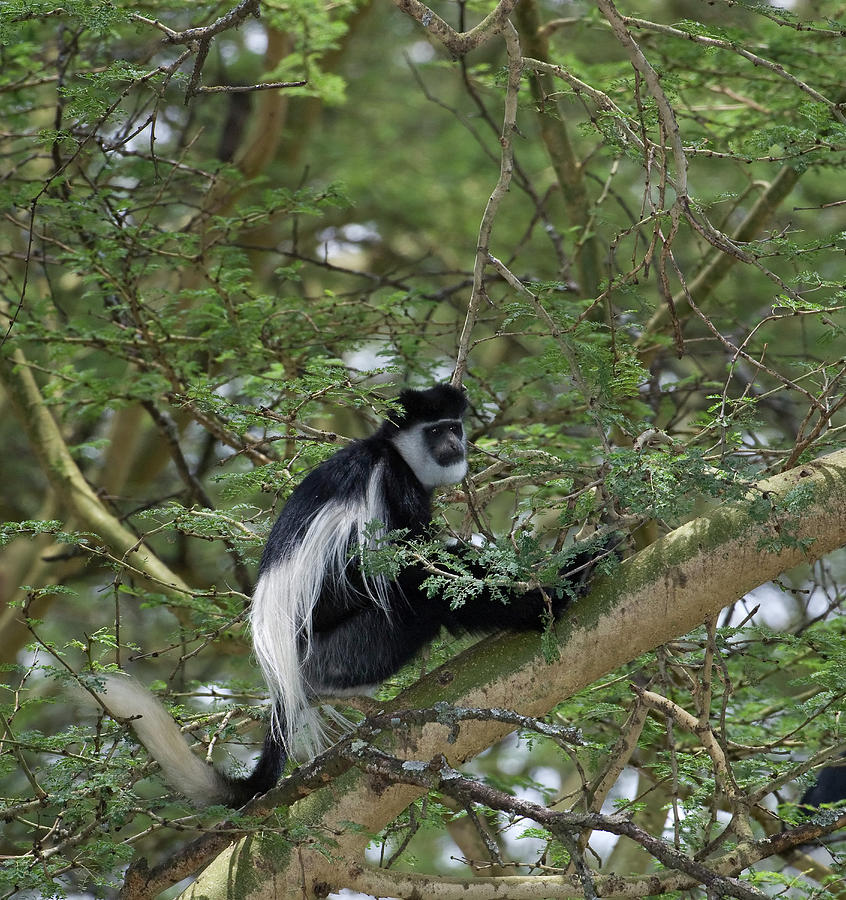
x: 445, y: 442
x: 435, y: 451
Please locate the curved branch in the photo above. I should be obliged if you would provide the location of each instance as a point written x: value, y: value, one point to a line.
x: 72, y: 490
x: 666, y: 113
x: 735, y: 47
x: 568, y: 169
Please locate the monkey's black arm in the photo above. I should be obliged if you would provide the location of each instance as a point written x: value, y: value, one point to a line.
x: 357, y: 643
x: 485, y: 611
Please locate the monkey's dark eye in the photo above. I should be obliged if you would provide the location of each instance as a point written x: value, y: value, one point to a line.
x: 435, y: 430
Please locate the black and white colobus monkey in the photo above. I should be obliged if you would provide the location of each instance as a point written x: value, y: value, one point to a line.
x: 319, y: 625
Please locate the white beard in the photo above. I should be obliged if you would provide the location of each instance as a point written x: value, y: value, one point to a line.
x: 430, y: 473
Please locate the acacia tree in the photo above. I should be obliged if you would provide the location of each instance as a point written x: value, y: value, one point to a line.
x: 623, y: 237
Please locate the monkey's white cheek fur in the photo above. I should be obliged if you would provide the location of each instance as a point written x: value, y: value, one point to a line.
x: 430, y: 473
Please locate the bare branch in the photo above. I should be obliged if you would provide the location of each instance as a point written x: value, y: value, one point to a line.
x: 458, y: 43
x: 509, y: 125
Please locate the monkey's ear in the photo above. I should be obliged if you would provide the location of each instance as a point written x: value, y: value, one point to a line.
x: 443, y: 401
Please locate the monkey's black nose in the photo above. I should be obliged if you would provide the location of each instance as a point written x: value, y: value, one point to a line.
x: 450, y: 451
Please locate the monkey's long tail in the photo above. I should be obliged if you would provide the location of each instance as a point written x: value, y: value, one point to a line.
x: 200, y: 782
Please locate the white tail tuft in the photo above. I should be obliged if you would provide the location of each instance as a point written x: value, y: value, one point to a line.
x: 125, y: 698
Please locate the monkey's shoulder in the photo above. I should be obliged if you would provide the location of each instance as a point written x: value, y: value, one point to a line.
x: 347, y: 477
x: 347, y: 474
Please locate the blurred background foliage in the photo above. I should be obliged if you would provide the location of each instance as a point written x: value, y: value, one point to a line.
x: 205, y: 287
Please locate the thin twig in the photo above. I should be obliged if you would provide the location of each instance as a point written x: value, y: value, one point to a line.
x: 509, y: 125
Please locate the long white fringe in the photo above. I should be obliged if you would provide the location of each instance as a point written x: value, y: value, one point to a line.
x: 286, y: 595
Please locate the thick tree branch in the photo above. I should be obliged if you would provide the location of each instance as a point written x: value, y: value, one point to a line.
x: 661, y: 593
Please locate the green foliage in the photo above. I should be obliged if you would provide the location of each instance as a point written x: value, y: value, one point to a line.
x: 668, y: 484
x: 211, y: 291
